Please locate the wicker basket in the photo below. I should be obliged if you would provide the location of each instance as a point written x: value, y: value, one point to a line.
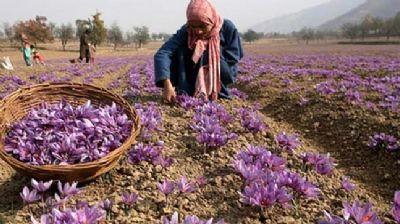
x: 15, y: 106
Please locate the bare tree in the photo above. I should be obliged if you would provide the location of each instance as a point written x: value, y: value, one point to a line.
x: 115, y: 35
x: 141, y: 36
x: 8, y: 32
x: 65, y: 33
x: 307, y: 34
x: 350, y: 30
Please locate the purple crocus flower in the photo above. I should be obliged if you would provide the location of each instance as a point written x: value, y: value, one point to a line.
x: 268, y: 195
x: 174, y: 219
x: 67, y: 189
x: 396, y: 207
x: 164, y: 162
x: 90, y: 215
x: 41, y: 186
x: 189, y: 103
x: 238, y: 94
x: 129, y: 199
x: 201, y: 181
x: 288, y: 142
x: 29, y: 196
x: 106, y: 204
x: 251, y: 120
x: 323, y: 163
x: 191, y: 219
x: 166, y: 187
x: 361, y: 214
x: 382, y: 141
x: 44, y: 219
x: 332, y: 219
x: 186, y: 187
x: 347, y: 185
x: 150, y: 152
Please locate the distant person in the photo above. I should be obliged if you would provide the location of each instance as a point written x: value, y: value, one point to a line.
x: 26, y: 50
x: 201, y: 58
x: 37, y: 57
x: 92, y: 52
x: 84, y: 46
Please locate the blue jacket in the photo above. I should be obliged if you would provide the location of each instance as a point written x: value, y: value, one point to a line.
x: 173, y: 60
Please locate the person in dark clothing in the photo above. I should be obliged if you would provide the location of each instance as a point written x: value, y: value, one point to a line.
x: 84, y: 46
x: 201, y: 58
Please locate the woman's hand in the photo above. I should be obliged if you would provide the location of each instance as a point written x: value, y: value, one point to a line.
x: 169, y: 92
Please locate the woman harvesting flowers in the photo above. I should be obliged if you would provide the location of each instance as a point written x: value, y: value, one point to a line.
x: 201, y: 58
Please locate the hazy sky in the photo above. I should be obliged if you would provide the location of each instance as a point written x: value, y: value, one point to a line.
x: 158, y: 15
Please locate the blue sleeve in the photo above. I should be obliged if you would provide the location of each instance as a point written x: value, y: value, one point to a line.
x: 231, y: 53
x: 163, y: 57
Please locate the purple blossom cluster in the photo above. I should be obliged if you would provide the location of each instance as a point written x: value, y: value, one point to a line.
x: 356, y: 78
x: 115, y: 84
x: 58, y: 213
x: 149, y: 85
x: 150, y: 119
x: 355, y: 213
x: 134, y: 82
x: 347, y: 185
x: 84, y: 215
x: 323, y: 163
x: 382, y: 141
x: 213, y: 110
x: 326, y: 88
x: 129, y: 199
x: 167, y: 187
x: 354, y: 96
x: 287, y: 142
x: 49, y: 77
x: 62, y: 134
x: 191, y: 219
x: 188, y: 102
x: 267, y: 180
x: 151, y: 153
x: 10, y: 84
x: 396, y: 207
x: 239, y: 94
x: 208, y: 121
x: 210, y: 132
x: 251, y: 120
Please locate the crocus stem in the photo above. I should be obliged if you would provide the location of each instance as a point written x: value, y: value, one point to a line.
x: 263, y: 213
x: 29, y: 209
x: 43, y: 204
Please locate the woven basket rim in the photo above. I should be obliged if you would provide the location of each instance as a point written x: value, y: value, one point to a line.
x: 120, y: 150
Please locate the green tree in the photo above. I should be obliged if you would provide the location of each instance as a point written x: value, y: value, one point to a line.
x: 350, y: 30
x: 387, y: 28
x: 65, y: 33
x: 251, y: 36
x: 99, y: 31
x: 141, y: 36
x: 366, y: 26
x: 396, y: 24
x: 377, y: 26
x: 115, y: 35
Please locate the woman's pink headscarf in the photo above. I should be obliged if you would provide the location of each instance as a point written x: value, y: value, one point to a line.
x: 208, y: 82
